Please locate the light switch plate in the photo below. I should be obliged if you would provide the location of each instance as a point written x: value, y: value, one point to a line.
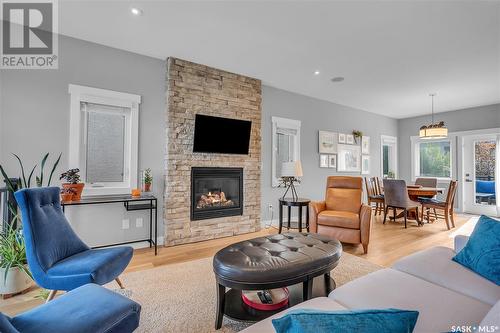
x: 139, y: 222
x: 125, y: 224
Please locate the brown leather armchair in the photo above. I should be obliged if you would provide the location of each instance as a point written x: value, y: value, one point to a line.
x: 342, y: 215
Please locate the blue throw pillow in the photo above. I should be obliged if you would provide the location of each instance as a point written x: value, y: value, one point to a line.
x: 481, y: 254
x: 360, y: 321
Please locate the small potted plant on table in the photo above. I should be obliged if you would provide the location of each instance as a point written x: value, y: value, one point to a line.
x: 72, y: 181
x: 67, y: 194
x: 148, y: 180
x: 15, y: 277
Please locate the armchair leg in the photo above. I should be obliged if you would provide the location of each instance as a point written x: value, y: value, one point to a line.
x: 120, y: 284
x: 405, y: 213
x: 385, y: 214
x: 365, y: 248
x: 51, y: 296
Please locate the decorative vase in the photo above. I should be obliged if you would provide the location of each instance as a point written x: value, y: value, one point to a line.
x: 16, y: 282
x: 66, y: 197
x: 147, y: 187
x: 78, y: 188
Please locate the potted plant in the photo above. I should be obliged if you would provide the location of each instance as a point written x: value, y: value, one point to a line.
x: 72, y: 180
x: 148, y: 180
x: 67, y: 194
x: 15, y: 275
x: 357, y: 134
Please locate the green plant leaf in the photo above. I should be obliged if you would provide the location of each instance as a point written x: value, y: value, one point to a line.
x: 31, y: 174
x: 10, y: 186
x: 54, y: 169
x: 42, y: 166
x: 22, y: 169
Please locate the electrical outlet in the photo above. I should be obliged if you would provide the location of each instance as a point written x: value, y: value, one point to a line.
x: 138, y: 222
x: 270, y: 207
x: 125, y: 224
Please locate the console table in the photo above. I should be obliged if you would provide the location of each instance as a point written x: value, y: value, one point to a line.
x: 143, y: 202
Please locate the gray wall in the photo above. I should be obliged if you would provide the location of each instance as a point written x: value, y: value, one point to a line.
x: 35, y: 120
x: 315, y: 115
x: 482, y: 117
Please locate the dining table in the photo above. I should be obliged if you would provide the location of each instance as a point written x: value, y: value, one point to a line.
x: 415, y: 192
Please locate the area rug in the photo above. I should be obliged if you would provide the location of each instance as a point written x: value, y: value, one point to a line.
x: 181, y: 297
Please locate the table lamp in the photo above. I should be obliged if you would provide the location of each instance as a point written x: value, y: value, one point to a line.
x: 290, y: 171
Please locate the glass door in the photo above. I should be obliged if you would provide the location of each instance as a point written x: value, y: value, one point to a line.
x: 480, y: 174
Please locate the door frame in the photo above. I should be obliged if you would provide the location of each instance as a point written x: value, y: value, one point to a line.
x: 462, y: 136
x: 393, y: 140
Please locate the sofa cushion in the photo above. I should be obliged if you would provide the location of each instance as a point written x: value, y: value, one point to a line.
x: 435, y: 265
x: 439, y: 308
x: 342, y: 219
x: 482, y: 252
x: 492, y: 318
x: 319, y: 303
x: 366, y: 321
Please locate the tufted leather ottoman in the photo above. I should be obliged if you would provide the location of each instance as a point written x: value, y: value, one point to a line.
x: 274, y: 261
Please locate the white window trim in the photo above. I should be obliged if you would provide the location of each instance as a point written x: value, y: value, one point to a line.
x: 283, y: 123
x: 107, y: 97
x: 415, y: 156
x: 389, y: 139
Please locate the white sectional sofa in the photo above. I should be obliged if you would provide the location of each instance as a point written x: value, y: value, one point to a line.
x: 445, y: 293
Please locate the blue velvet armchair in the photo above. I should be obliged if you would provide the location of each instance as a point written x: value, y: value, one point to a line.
x: 88, y: 309
x: 57, y: 258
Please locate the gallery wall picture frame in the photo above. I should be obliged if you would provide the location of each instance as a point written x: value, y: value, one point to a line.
x: 365, y: 165
x: 365, y: 145
x: 348, y: 158
x: 327, y: 142
x: 349, y: 139
x: 341, y: 138
x: 332, y: 161
x: 323, y: 161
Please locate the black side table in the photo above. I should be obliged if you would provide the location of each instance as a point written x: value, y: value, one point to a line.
x: 289, y: 202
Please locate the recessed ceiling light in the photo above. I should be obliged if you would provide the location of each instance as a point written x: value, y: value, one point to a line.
x: 316, y: 72
x: 136, y: 11
x: 338, y: 79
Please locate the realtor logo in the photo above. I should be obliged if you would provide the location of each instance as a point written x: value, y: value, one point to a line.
x: 29, y: 34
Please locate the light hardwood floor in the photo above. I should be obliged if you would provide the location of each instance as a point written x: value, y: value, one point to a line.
x: 388, y: 243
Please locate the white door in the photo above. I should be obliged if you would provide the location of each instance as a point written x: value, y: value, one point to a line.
x: 480, y: 173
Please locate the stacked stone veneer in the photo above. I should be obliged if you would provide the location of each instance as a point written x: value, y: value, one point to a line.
x: 197, y: 89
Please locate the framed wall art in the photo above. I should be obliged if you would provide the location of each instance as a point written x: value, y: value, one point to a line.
x: 327, y: 142
x: 365, y: 145
x: 348, y: 158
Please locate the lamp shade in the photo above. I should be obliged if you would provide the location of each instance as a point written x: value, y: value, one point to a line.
x: 291, y: 169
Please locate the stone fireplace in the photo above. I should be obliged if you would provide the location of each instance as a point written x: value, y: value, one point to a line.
x: 198, y: 209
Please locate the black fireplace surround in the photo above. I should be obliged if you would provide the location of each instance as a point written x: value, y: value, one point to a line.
x: 216, y: 192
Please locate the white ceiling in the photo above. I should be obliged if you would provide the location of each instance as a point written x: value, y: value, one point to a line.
x: 391, y: 53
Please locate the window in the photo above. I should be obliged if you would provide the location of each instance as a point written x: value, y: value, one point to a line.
x: 286, y: 145
x: 104, y: 139
x: 433, y: 158
x: 389, y: 157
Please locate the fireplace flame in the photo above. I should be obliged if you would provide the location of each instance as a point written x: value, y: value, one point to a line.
x: 215, y: 199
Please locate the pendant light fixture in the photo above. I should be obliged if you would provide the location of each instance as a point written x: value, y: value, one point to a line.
x: 433, y: 130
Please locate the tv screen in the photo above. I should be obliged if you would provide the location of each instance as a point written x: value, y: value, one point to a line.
x: 221, y: 135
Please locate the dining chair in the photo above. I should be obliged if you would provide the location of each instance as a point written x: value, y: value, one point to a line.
x: 426, y: 182
x: 57, y: 257
x: 396, y: 196
x: 446, y: 207
x: 373, y: 197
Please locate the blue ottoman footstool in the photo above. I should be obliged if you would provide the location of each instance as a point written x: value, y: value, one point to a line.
x: 87, y: 309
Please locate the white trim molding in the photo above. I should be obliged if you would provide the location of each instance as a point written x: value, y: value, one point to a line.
x: 283, y: 123
x: 76, y: 154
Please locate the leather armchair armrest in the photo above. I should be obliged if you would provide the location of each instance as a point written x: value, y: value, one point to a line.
x: 315, y: 207
x: 365, y: 217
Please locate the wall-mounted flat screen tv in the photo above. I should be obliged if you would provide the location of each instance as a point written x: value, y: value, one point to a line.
x: 221, y: 135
